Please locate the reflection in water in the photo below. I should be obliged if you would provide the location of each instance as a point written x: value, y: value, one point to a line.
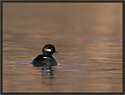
x: 89, y: 43
x: 47, y: 72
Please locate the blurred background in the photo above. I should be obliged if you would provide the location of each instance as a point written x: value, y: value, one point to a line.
x: 88, y: 37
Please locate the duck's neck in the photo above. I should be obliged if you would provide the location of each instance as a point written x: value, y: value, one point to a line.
x: 47, y: 54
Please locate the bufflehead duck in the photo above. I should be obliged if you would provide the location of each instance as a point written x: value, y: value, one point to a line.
x: 45, y: 59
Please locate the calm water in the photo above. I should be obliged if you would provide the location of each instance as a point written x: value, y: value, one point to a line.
x: 88, y: 37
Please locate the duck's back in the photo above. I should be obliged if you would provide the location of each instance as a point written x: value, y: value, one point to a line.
x: 44, y: 60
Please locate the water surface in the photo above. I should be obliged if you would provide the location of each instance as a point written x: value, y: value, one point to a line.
x: 88, y: 37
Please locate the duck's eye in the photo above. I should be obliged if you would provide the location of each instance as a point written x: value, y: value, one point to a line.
x: 49, y: 50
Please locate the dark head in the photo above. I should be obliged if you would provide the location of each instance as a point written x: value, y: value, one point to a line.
x: 48, y: 49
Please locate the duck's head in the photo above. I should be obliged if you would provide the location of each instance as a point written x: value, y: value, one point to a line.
x: 48, y: 49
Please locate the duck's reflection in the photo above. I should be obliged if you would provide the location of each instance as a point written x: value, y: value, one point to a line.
x: 47, y: 72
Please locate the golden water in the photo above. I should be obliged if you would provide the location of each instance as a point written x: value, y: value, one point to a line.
x: 88, y: 37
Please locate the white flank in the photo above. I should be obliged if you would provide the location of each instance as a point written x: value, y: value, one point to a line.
x: 49, y: 50
x: 45, y: 57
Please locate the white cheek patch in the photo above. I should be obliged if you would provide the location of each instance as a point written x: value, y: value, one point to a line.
x: 49, y: 50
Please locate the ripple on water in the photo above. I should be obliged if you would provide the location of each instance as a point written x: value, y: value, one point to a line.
x: 74, y: 70
x: 99, y: 40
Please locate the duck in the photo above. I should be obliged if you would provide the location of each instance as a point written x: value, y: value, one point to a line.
x: 46, y: 59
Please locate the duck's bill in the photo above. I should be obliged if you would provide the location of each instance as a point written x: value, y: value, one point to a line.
x: 56, y: 52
